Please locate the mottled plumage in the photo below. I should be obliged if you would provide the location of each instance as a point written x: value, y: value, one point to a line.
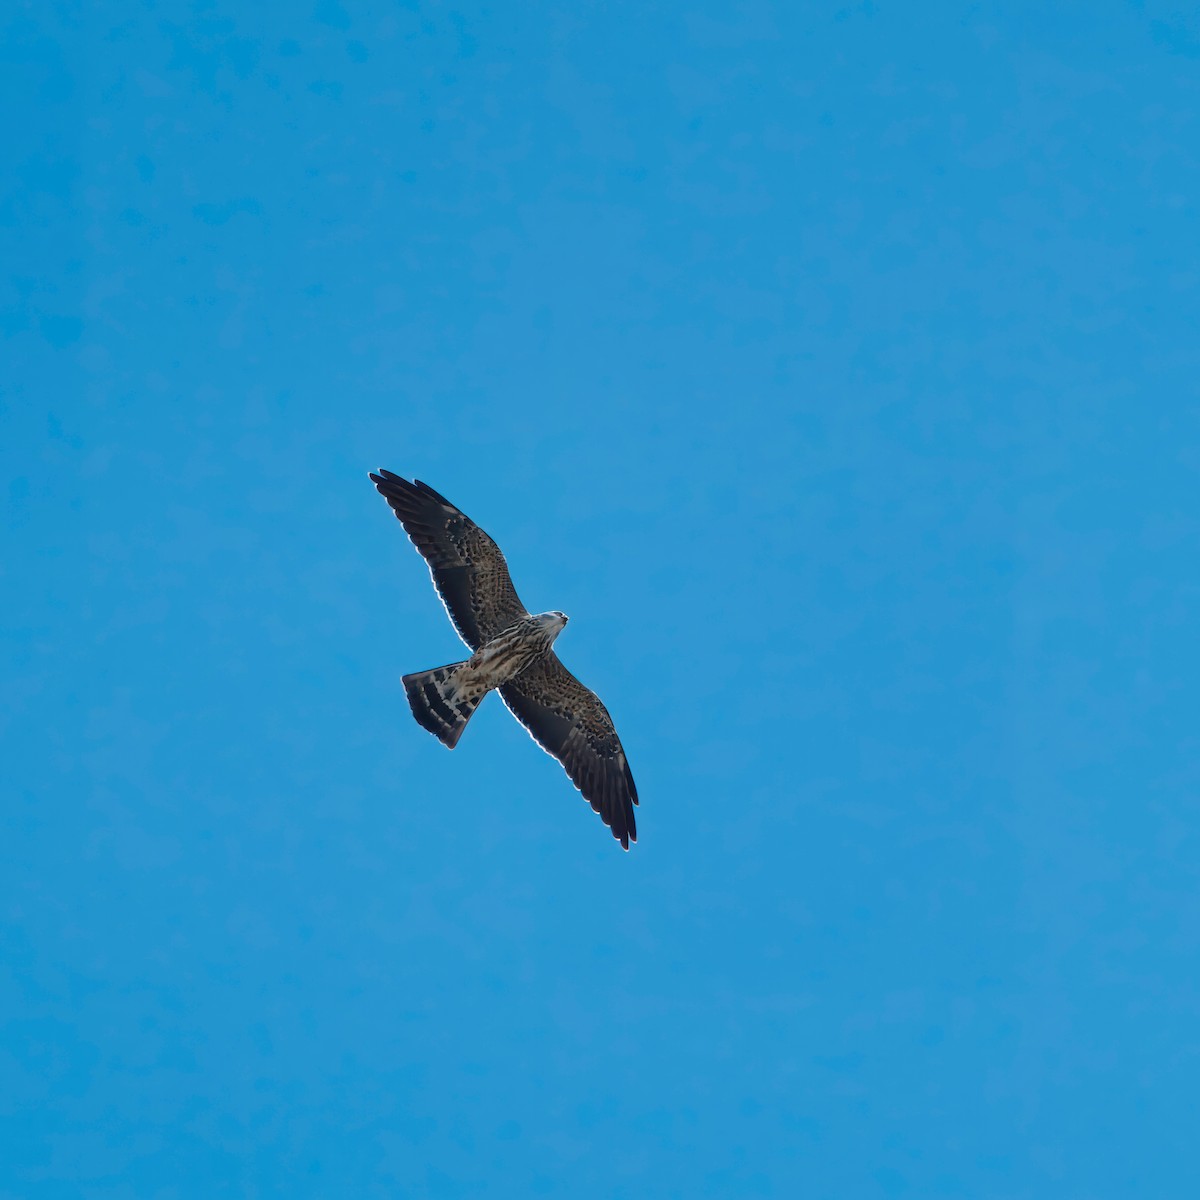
x: 512, y: 654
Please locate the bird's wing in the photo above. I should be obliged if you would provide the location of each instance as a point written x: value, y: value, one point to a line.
x: 568, y: 721
x: 467, y: 567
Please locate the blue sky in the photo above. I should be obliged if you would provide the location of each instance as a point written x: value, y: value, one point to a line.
x: 833, y: 368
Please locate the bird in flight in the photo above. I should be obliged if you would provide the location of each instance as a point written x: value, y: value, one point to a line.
x: 512, y: 654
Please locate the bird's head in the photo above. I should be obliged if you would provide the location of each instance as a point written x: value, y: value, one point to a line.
x: 553, y: 622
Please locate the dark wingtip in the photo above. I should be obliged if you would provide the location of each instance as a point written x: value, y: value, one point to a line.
x: 623, y: 827
x: 390, y: 484
x: 383, y: 476
x: 393, y: 487
x: 433, y: 495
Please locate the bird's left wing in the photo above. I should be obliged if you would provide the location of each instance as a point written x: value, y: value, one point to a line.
x: 467, y: 567
x: 568, y: 721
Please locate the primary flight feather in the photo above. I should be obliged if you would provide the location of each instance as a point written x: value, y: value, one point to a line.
x: 512, y: 655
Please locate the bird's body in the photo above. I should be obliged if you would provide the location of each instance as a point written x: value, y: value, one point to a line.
x: 444, y: 699
x: 515, y: 648
x: 513, y: 654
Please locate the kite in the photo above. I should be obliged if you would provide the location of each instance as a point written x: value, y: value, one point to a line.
x: 511, y: 653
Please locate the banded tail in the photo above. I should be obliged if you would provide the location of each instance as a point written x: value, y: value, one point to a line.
x: 443, y: 700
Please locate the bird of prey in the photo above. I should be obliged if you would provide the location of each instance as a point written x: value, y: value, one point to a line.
x: 511, y: 654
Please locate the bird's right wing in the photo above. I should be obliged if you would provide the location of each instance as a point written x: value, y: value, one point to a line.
x: 569, y: 722
x: 467, y: 567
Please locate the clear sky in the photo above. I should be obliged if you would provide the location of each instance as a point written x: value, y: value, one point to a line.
x: 834, y: 369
